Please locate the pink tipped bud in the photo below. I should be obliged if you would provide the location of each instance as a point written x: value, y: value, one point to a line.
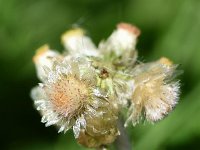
x: 130, y: 28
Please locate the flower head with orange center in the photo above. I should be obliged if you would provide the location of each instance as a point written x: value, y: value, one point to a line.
x: 68, y: 95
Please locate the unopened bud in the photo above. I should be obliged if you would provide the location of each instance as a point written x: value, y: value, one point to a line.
x: 43, y: 59
x: 76, y: 42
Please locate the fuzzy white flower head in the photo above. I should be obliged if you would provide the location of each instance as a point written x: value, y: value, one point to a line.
x: 44, y: 57
x: 86, y: 87
x: 68, y: 95
x: 154, y: 95
x: 76, y: 42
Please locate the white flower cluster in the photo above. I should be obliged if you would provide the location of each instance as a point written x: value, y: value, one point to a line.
x: 86, y: 87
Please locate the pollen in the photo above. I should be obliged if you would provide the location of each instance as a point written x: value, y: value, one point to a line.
x: 67, y: 95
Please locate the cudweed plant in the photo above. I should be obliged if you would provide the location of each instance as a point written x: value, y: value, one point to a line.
x: 86, y: 87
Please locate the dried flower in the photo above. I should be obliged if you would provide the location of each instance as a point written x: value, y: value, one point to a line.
x: 86, y: 87
x: 69, y: 98
x: 154, y: 94
x: 66, y: 90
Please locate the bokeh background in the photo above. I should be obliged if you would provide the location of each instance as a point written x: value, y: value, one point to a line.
x: 169, y: 28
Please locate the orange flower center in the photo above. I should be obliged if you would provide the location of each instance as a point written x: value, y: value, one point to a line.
x: 67, y: 95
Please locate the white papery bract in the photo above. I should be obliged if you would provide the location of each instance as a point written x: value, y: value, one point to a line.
x: 154, y: 94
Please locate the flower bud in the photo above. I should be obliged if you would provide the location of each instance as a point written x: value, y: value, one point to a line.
x: 77, y: 43
x: 121, y: 44
x: 43, y: 59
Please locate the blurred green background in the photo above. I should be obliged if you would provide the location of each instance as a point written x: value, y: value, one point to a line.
x: 169, y: 28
